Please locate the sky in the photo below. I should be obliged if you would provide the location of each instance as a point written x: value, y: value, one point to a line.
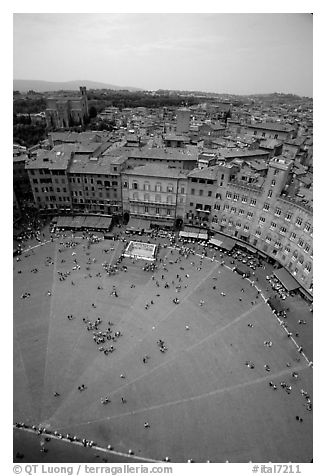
x: 227, y: 53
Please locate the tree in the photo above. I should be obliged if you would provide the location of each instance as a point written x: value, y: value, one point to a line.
x: 92, y: 112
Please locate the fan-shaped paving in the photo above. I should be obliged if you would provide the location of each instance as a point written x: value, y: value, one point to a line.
x: 200, y: 399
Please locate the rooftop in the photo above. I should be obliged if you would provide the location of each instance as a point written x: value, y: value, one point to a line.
x: 94, y: 165
x: 57, y: 158
x: 271, y: 126
x: 209, y: 173
x: 156, y: 171
x: 167, y: 153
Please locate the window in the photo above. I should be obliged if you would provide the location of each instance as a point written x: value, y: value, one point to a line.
x: 135, y: 196
x: 273, y: 183
x: 306, y: 248
x: 157, y: 198
x: 264, y: 133
x: 233, y: 209
x: 270, y: 193
x: 146, y: 186
x: 238, y: 224
x: 191, y: 204
x: 307, y: 268
x: 36, y: 189
x: 283, y: 230
x: 268, y: 239
x: 182, y: 190
x: 201, y: 193
x: 168, y: 212
x: 300, y: 260
x: 222, y: 176
x: 307, y: 227
x: 273, y: 226
x: 300, y: 243
x: 192, y: 191
x: 125, y: 184
x: 134, y: 185
x: 299, y: 221
x: 250, y: 215
x: 244, y: 199
x: 246, y: 227
x: 287, y: 250
x: 235, y: 197
x: 293, y: 236
x: 226, y: 207
x: 157, y: 211
x: 261, y: 220
x: 277, y: 244
x: 288, y: 216
x: 266, y: 207
x: 58, y: 189
x: 158, y: 187
x: 278, y: 212
x: 253, y: 202
x: 228, y: 195
x: 169, y: 199
x: 209, y: 193
x: 169, y: 188
x: 146, y: 197
x: 35, y: 180
x: 146, y: 209
x: 241, y: 212
x: 275, y: 136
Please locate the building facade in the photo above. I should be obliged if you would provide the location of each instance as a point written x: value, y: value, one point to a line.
x: 156, y: 193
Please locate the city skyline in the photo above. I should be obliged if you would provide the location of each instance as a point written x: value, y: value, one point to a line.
x: 222, y: 53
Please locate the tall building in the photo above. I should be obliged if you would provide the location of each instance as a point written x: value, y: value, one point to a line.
x: 65, y: 111
x: 183, y: 120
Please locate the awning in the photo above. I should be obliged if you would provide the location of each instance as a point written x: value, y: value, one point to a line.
x: 104, y: 223
x: 64, y: 222
x: 222, y: 241
x: 199, y: 235
x: 78, y: 221
x: 246, y: 247
x: 286, y: 279
x: 306, y: 294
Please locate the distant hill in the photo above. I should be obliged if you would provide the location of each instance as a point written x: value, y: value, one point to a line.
x: 24, y: 85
